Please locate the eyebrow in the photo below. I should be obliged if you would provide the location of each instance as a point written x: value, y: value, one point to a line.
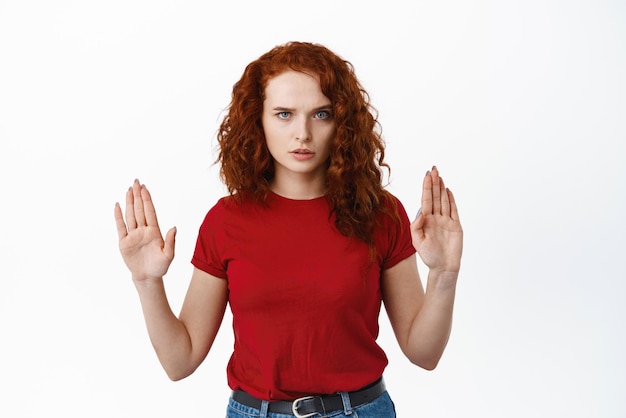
x: 289, y: 109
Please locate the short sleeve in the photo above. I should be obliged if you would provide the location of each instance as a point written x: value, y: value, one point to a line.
x: 207, y: 255
x: 399, y: 244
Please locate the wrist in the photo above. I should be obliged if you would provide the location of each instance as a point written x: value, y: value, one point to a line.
x: 146, y: 282
x: 443, y: 278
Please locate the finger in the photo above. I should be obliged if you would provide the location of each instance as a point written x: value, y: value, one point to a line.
x: 434, y: 174
x: 131, y: 222
x: 436, y: 190
x: 148, y: 207
x: 427, y: 195
x: 417, y: 226
x: 445, y: 201
x: 417, y: 229
x: 454, y: 213
x: 170, y: 242
x: 119, y: 221
x: 138, y: 206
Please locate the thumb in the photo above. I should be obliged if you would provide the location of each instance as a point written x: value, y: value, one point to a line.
x: 170, y: 242
x: 418, y: 222
x: 417, y: 226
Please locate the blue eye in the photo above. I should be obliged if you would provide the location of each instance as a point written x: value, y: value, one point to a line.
x: 322, y: 114
x: 283, y: 115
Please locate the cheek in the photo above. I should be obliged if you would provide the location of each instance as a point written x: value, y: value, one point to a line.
x: 271, y: 133
x: 274, y: 140
x: 328, y: 135
x: 326, y: 144
x: 269, y: 125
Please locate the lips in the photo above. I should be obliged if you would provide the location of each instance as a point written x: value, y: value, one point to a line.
x: 302, y: 154
x: 302, y: 151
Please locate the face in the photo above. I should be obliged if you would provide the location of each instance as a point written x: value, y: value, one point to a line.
x: 299, y: 126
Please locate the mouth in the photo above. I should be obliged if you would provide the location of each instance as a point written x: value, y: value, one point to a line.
x: 302, y: 151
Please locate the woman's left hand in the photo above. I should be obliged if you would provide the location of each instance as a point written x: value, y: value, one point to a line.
x: 436, y: 232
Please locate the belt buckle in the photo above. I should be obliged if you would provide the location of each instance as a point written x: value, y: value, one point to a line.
x: 294, y: 407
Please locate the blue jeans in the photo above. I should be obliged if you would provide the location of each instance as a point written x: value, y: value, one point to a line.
x: 381, y: 407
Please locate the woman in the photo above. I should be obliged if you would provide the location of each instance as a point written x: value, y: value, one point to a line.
x: 304, y: 249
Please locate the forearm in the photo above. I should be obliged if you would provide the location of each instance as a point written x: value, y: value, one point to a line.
x: 168, y: 334
x: 431, y: 327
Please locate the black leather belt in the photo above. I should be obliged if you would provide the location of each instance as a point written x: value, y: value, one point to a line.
x: 311, y: 405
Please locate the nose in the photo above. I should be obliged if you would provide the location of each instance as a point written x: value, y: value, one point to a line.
x: 303, y: 129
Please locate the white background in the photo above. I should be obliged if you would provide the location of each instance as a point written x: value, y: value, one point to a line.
x: 521, y: 104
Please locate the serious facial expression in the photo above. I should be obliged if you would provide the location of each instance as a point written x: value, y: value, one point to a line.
x: 299, y: 126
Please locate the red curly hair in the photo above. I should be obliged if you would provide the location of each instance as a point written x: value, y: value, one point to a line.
x: 354, y: 175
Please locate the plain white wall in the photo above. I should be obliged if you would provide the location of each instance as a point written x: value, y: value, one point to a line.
x: 521, y: 104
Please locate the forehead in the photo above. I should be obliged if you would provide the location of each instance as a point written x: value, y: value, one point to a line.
x: 296, y: 87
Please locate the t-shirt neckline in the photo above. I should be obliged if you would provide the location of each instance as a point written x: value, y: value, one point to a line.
x: 275, y: 196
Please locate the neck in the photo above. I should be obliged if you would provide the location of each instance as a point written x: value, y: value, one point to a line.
x: 298, y: 190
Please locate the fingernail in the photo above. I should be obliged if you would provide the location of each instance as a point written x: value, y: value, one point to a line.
x: 427, y: 173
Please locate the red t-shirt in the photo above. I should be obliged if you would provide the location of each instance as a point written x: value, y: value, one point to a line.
x: 305, y: 299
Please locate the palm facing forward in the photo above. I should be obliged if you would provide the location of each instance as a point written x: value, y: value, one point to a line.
x: 143, y: 249
x: 436, y: 232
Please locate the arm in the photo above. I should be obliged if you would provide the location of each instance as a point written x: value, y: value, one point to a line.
x: 181, y: 343
x: 422, y: 320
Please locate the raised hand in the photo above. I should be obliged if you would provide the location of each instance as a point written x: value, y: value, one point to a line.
x: 436, y: 232
x: 141, y: 244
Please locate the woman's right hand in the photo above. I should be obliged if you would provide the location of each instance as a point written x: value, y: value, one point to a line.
x: 141, y: 244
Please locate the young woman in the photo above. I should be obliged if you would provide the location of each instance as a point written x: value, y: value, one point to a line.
x: 304, y: 249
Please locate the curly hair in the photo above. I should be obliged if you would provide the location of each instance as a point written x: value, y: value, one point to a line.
x: 354, y: 176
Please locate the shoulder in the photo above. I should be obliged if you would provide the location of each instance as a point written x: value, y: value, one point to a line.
x: 392, y: 208
x: 219, y: 210
x: 227, y: 204
x: 231, y: 209
x: 393, y: 235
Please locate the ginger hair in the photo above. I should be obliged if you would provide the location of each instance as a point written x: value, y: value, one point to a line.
x: 354, y: 176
